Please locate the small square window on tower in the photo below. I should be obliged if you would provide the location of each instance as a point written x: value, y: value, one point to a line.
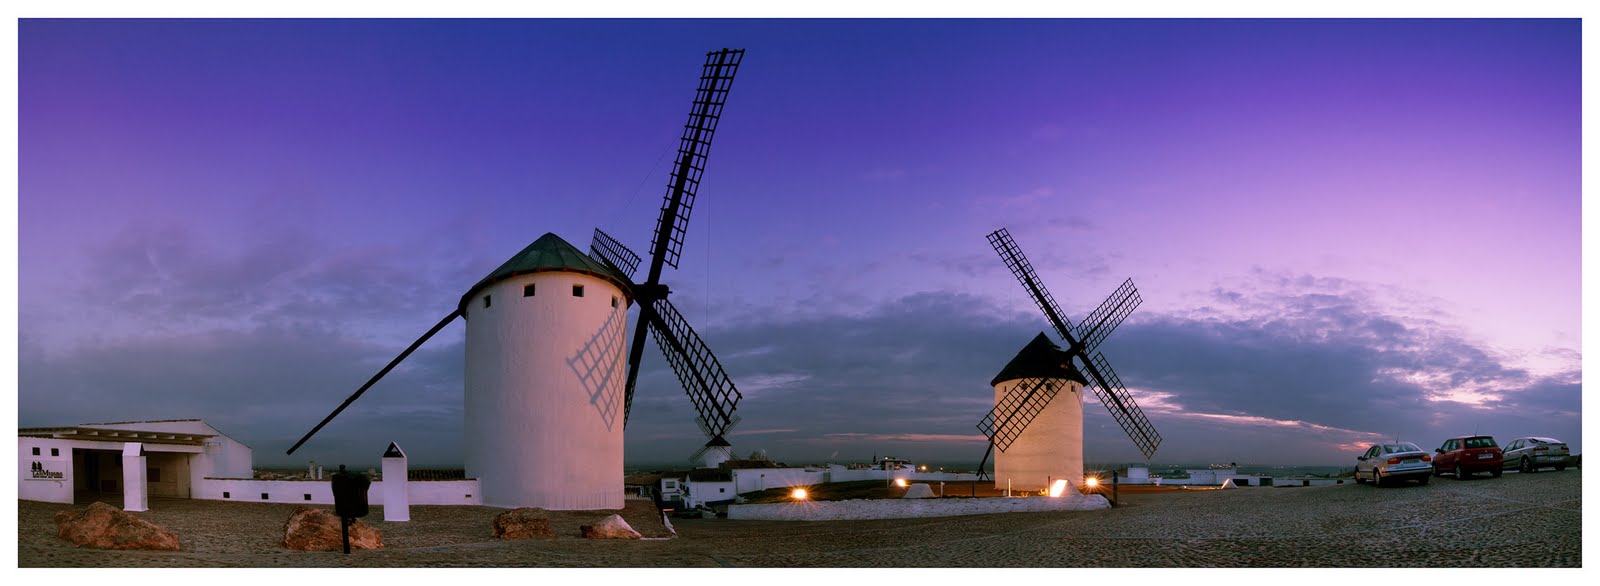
x: 485, y: 300
x: 55, y: 451
x: 613, y: 300
x: 527, y: 290
x: 577, y: 290
x: 36, y: 451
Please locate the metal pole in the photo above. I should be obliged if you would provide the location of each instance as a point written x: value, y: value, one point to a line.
x: 1113, y: 488
x: 344, y: 529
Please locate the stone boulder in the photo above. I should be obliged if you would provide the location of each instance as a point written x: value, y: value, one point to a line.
x: 523, y: 523
x: 612, y: 527
x: 102, y: 526
x: 311, y: 529
x: 919, y: 490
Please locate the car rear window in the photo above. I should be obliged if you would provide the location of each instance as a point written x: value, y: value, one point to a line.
x: 1545, y: 440
x: 1397, y: 448
x: 1480, y: 442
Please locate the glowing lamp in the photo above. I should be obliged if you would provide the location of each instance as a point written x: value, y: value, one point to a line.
x: 1058, y: 487
x: 1092, y: 482
x: 799, y: 494
x: 900, y: 482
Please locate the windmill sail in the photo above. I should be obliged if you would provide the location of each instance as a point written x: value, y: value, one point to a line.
x: 1094, y: 329
x: 710, y: 390
x: 613, y: 253
x: 715, y: 81
x: 1023, y: 271
x: 1108, y: 388
x: 1012, y: 414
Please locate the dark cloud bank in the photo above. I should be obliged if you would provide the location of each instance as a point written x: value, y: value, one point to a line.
x: 1293, y: 375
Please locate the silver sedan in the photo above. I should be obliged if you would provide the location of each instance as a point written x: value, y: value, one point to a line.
x: 1394, y: 461
x: 1529, y: 454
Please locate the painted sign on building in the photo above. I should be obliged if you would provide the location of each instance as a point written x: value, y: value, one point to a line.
x: 43, y: 469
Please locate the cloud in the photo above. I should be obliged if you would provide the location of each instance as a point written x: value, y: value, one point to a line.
x: 1268, y: 371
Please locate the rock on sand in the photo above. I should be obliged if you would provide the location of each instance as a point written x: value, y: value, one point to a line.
x: 612, y: 527
x: 523, y: 523
x: 102, y: 526
x: 311, y: 529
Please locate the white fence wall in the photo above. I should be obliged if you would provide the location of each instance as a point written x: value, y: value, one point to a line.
x: 320, y: 492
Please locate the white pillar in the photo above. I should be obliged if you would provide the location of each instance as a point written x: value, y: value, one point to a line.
x: 396, y: 501
x: 135, y: 493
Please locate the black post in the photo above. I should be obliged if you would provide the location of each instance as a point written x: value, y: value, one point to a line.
x: 1113, y: 488
x: 344, y: 529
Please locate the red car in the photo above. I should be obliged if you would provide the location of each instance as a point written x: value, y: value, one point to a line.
x: 1468, y: 455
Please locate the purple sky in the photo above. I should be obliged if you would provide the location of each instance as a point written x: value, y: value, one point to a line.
x: 1343, y: 230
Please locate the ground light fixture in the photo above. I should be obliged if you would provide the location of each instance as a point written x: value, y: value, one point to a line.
x: 1091, y: 484
x: 798, y: 494
x: 1058, y: 487
x: 900, y: 482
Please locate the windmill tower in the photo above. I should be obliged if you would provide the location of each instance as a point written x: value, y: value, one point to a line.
x: 1053, y: 445
x: 547, y: 391
x: 1047, y: 433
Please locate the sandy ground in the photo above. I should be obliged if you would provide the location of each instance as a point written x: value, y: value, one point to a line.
x: 1519, y: 520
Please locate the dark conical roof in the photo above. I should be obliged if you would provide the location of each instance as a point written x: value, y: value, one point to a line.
x: 548, y: 253
x: 1041, y: 358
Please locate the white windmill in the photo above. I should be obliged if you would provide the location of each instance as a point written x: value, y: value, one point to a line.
x: 547, y: 389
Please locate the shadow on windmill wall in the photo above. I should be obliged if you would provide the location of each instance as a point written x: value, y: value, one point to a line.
x: 595, y: 364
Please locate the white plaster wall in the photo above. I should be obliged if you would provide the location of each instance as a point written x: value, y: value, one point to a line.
x: 1051, y: 446
x: 443, y: 492
x: 757, y: 479
x: 702, y: 492
x: 544, y: 384
x: 50, y: 491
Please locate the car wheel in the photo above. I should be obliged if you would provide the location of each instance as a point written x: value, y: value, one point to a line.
x: 1460, y: 473
x: 1377, y: 477
x: 1359, y: 480
x: 1560, y: 467
x: 1526, y: 465
x: 1423, y: 480
x: 1496, y: 472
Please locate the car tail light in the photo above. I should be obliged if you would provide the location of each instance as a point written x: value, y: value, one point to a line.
x: 1427, y: 458
x: 1541, y: 448
x: 1394, y: 460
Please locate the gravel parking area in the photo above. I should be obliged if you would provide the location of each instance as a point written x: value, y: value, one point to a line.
x: 1481, y: 522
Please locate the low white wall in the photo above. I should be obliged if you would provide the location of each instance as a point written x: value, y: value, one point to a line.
x: 746, y: 480
x: 911, y: 508
x: 320, y: 492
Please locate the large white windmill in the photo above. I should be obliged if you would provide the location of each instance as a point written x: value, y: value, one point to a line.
x: 547, y: 389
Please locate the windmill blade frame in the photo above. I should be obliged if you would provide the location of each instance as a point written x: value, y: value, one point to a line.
x: 716, y: 80
x: 1100, y: 322
x: 620, y: 258
x: 1020, y: 268
x: 1108, y: 388
x: 709, y: 388
x: 1011, y: 416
